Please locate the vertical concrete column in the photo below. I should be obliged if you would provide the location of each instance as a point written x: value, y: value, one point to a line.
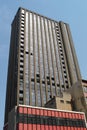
x: 68, y: 53
x: 73, y: 53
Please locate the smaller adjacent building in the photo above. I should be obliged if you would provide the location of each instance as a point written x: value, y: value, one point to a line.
x: 64, y: 102
x: 37, y: 118
x: 84, y: 84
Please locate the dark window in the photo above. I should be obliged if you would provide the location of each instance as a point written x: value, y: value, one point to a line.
x: 21, y: 60
x: 31, y: 53
x: 43, y: 82
x: 22, y: 16
x: 58, y: 85
x: 21, y: 66
x: 22, y: 19
x: 21, y: 76
x: 66, y: 81
x: 63, y: 67
x: 38, y: 80
x: 21, y: 91
x: 22, y: 38
x: 22, y: 47
x: 21, y: 71
x: 48, y: 82
x: 22, y: 34
x: 62, y: 101
x: 22, y: 30
x: 68, y: 102
x: 22, y: 50
x: 52, y: 78
x: 22, y: 42
x: 21, y: 98
x: 62, y: 58
x: 62, y: 86
x: 53, y: 84
x: 21, y: 56
x: 48, y: 77
x: 65, y: 76
x: 32, y: 80
x: 27, y: 52
x: 57, y: 29
x: 67, y: 86
x: 37, y: 75
x: 64, y: 71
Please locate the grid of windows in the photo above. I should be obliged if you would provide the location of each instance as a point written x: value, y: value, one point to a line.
x: 53, y: 121
x: 43, y: 72
x: 21, y: 72
x: 43, y: 56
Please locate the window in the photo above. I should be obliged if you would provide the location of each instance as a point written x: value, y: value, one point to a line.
x: 57, y: 29
x: 22, y: 19
x: 66, y: 81
x: 62, y: 58
x: 21, y: 71
x: 52, y: 78
x: 21, y: 56
x: 22, y: 16
x: 48, y: 82
x: 48, y: 77
x: 63, y: 67
x: 58, y: 34
x: 62, y: 101
x: 64, y: 71
x: 58, y: 85
x: 43, y: 82
x: 67, y: 86
x: 38, y: 80
x: 21, y: 66
x: 22, y: 30
x: 21, y: 63
x: 37, y: 75
x: 22, y: 22
x: 53, y: 84
x: 21, y: 91
x: 21, y: 98
x: 22, y: 25
x: 22, y: 50
x: 22, y: 37
x: 62, y: 86
x: 31, y: 53
x: 22, y: 42
x: 68, y: 102
x: 22, y: 34
x: 65, y: 76
x: 27, y: 52
x: 32, y: 80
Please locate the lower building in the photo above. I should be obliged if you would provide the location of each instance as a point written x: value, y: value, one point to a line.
x: 38, y: 118
x: 84, y: 85
x: 78, y: 98
x: 63, y: 102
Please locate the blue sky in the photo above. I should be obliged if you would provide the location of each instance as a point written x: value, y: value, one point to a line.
x: 73, y: 12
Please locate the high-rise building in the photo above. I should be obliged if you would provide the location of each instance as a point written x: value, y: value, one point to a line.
x: 42, y: 60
